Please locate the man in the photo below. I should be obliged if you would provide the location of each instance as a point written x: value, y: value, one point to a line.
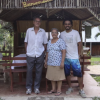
x: 35, y: 45
x: 73, y: 52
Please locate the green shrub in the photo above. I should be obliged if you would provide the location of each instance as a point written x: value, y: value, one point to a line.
x: 96, y: 98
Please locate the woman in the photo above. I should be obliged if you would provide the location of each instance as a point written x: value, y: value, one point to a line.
x: 54, y: 62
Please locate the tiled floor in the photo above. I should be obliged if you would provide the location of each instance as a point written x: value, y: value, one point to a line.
x: 91, y: 89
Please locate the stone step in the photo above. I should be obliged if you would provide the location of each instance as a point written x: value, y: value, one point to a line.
x: 65, y: 98
x: 43, y: 98
x: 57, y: 98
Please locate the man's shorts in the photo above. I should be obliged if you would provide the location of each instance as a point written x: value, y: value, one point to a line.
x: 75, y: 64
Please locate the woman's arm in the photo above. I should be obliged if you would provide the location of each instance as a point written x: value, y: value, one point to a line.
x: 63, y: 58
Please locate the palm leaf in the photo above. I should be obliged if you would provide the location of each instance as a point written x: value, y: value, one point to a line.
x: 98, y: 34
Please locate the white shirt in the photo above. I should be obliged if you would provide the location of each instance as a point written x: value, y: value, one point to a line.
x: 71, y: 39
x: 35, y: 42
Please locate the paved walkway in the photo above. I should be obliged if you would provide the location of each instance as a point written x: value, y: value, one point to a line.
x: 94, y: 69
x: 91, y: 89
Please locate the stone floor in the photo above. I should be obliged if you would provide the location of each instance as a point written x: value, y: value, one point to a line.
x: 44, y: 98
x: 91, y: 89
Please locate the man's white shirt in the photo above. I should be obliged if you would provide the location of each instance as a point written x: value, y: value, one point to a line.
x: 35, y: 42
x: 71, y: 39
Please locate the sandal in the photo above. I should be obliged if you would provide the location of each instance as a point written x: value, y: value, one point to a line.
x: 50, y: 92
x: 58, y: 93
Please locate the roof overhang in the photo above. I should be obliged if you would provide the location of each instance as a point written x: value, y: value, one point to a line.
x: 12, y: 15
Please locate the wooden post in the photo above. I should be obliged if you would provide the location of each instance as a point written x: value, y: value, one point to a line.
x: 55, y: 4
x: 1, y: 5
x: 80, y: 31
x: 77, y: 3
x: 11, y: 75
x: 66, y: 3
x: 99, y: 3
x: 15, y: 38
x: 16, y: 3
x: 90, y: 48
x: 85, y: 40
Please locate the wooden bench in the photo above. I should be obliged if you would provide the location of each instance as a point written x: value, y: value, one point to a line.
x: 11, y: 71
x: 83, y: 62
x: 18, y: 70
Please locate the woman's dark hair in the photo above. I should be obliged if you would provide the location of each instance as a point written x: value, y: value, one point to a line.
x: 36, y: 17
x: 68, y: 20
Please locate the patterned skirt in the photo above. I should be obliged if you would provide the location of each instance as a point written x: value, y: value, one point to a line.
x: 55, y: 73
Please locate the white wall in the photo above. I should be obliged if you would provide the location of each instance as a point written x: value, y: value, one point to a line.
x: 94, y: 31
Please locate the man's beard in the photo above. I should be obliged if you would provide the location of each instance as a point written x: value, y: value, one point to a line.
x: 68, y: 28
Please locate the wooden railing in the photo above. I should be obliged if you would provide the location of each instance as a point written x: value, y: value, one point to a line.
x: 88, y: 3
x: 9, y: 4
x: 94, y: 12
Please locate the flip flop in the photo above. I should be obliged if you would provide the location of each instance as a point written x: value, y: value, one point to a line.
x: 58, y: 93
x: 50, y: 92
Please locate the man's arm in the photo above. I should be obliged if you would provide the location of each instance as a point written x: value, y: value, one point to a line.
x: 45, y: 47
x: 26, y: 47
x: 79, y: 48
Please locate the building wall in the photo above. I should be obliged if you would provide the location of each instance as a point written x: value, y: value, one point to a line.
x: 95, y: 48
x: 21, y: 27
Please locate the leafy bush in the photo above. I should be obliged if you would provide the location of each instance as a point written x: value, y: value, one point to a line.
x: 1, y: 99
x: 96, y: 98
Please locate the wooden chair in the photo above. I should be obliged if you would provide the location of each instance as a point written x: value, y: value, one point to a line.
x: 7, y: 54
x: 83, y: 62
x: 11, y: 71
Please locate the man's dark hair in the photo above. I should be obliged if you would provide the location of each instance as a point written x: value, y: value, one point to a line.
x: 68, y: 20
x: 36, y: 17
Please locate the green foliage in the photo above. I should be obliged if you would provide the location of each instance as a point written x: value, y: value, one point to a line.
x: 6, y: 36
x: 95, y: 61
x: 97, y: 78
x: 1, y: 99
x: 88, y: 53
x: 1, y: 37
x: 96, y: 98
x: 98, y: 34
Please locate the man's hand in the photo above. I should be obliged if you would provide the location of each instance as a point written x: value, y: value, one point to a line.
x: 62, y: 65
x: 45, y: 64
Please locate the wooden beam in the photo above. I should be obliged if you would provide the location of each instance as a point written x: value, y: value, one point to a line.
x: 51, y: 12
x: 93, y: 12
x: 6, y: 13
